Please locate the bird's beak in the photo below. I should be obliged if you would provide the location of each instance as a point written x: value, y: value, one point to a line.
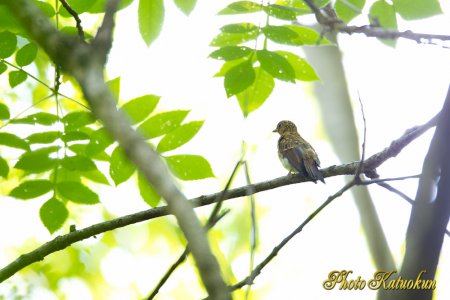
x: 275, y: 130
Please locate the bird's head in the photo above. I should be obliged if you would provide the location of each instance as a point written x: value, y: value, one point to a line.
x: 285, y: 127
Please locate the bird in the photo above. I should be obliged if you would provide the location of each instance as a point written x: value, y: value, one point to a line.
x: 295, y: 153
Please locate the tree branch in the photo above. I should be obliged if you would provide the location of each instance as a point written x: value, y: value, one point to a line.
x: 74, y: 14
x: 62, y: 242
x: 334, y: 24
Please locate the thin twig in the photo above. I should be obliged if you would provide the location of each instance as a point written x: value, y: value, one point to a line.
x: 363, y: 146
x: 74, y: 14
x: 254, y: 240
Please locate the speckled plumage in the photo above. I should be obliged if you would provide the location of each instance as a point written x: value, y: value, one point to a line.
x: 296, y: 154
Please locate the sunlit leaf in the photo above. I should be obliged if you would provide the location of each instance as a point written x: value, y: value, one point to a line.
x: 281, y: 12
x: 308, y: 36
x: 31, y: 189
x: 77, y: 119
x: 347, y: 10
x: 114, y: 86
x: 37, y: 161
x: 384, y: 15
x: 98, y: 142
x: 53, y: 214
x: 43, y: 137
x: 99, y: 5
x: 16, y: 77
x: 4, y: 168
x: 189, y: 167
x: 140, y: 108
x: 151, y: 18
x: 3, y: 67
x: 4, y: 112
x: 256, y: 94
x: 241, y: 7
x: 231, y: 53
x: 185, y: 6
x: 234, y: 34
x: 179, y: 136
x: 417, y: 9
x: 303, y: 70
x: 42, y: 118
x: 11, y: 140
x: 147, y: 192
x: 46, y: 8
x: 239, y: 78
x: 276, y: 65
x: 26, y: 54
x: 77, y: 192
x: 78, y: 163
x: 120, y: 168
x: 8, y: 43
x: 162, y: 123
x: 95, y: 176
x: 70, y: 136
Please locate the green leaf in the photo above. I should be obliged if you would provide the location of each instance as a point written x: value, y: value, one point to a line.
x: 256, y: 94
x: 147, y: 192
x: 4, y: 168
x: 114, y: 86
x: 37, y: 161
x: 308, y: 36
x: 151, y: 18
x: 42, y: 118
x: 303, y: 70
x: 162, y: 123
x: 417, y: 9
x: 99, y: 6
x: 239, y: 78
x: 46, y: 8
x: 185, y: 6
x: 77, y: 119
x: 300, y: 7
x: 231, y: 53
x: 53, y: 214
x: 16, y: 77
x: 189, y: 167
x: 235, y: 34
x: 70, y: 136
x: 280, y: 12
x: 11, y: 140
x: 31, y: 189
x: 140, y: 108
x: 240, y: 7
x: 95, y: 176
x: 179, y: 136
x: 385, y: 15
x: 78, y: 163
x: 98, y: 142
x: 347, y: 10
x: 228, y: 65
x: 282, y: 35
x: 43, y: 137
x: 4, y: 112
x: 276, y: 65
x: 77, y: 192
x: 80, y: 149
x: 8, y: 43
x: 120, y: 168
x: 26, y: 54
x: 3, y: 67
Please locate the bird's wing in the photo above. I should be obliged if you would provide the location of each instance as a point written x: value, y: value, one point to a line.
x: 293, y: 153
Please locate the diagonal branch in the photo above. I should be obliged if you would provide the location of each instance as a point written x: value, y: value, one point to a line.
x: 62, y: 242
x: 86, y: 63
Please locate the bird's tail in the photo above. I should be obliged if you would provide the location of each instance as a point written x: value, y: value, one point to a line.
x: 314, y: 172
